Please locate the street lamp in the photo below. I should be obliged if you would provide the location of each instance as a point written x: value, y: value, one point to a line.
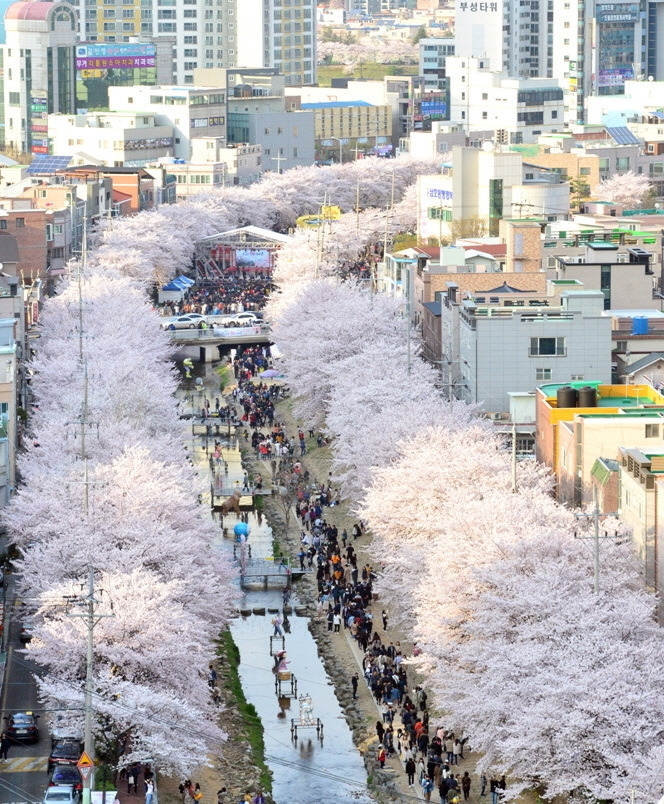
x: 341, y: 153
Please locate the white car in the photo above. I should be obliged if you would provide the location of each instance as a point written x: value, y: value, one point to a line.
x: 244, y: 320
x: 60, y: 794
x: 188, y: 321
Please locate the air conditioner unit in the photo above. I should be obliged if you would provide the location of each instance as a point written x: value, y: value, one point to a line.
x: 496, y: 417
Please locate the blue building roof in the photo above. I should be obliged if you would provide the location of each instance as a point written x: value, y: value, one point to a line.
x: 334, y: 104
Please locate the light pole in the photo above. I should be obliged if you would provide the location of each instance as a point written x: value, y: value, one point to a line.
x: 341, y: 153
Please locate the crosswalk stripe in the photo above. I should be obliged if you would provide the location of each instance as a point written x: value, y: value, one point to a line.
x: 23, y: 765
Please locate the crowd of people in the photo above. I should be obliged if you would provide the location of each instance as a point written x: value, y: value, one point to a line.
x: 233, y: 294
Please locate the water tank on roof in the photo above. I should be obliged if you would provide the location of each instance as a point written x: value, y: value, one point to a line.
x: 639, y: 325
x: 587, y: 397
x: 566, y: 397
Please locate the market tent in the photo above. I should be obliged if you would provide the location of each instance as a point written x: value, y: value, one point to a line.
x: 179, y: 284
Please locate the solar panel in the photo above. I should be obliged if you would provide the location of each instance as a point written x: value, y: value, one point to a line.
x: 622, y: 135
x: 48, y: 164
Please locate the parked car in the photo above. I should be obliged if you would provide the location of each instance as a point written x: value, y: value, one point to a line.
x: 25, y: 634
x: 68, y: 775
x: 64, y: 752
x: 188, y: 321
x: 63, y: 794
x: 242, y: 320
x: 22, y: 727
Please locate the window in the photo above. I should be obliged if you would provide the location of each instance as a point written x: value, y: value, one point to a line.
x: 20, y: 223
x: 485, y: 96
x: 621, y: 346
x: 584, y: 172
x: 547, y: 347
x: 652, y: 431
x: 577, y: 377
x: 14, y: 98
x: 485, y: 115
x: 622, y: 163
x: 542, y: 374
x: 3, y: 224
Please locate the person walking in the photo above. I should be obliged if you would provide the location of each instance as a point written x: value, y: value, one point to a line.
x: 427, y: 787
x: 457, y: 748
x: 493, y: 787
x: 384, y: 616
x: 221, y: 796
x: 131, y: 781
x: 382, y: 756
x: 149, y: 791
x: 197, y: 794
x: 465, y: 786
x: 483, y: 784
x: 4, y: 745
x: 410, y: 772
x: 354, y: 681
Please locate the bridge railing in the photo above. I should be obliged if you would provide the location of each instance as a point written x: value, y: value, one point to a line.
x: 218, y: 333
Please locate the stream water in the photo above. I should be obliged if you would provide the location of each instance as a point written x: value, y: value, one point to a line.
x: 306, y: 770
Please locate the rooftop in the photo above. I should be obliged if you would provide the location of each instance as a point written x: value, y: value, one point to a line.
x: 334, y: 104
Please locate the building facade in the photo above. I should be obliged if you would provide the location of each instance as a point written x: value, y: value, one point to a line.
x: 39, y: 70
x: 482, y: 98
x: 189, y: 111
x: 504, y: 341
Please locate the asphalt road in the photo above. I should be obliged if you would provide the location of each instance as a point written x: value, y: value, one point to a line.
x: 23, y: 776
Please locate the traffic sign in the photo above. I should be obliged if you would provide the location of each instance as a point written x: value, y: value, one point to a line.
x: 85, y: 772
x: 84, y: 761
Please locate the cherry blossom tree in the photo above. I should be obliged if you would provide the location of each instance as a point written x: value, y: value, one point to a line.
x: 331, y: 322
x: 141, y: 528
x: 538, y: 671
x: 150, y: 668
x: 628, y: 189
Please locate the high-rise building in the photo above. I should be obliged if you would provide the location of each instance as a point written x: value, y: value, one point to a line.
x: 39, y: 70
x: 591, y: 47
x: 515, y: 35
x: 598, y: 46
x: 285, y: 39
x: 230, y: 33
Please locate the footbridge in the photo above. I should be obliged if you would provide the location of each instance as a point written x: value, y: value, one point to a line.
x: 205, y: 344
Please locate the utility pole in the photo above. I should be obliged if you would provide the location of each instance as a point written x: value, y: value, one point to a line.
x: 594, y: 515
x: 514, y: 485
x: 408, y: 315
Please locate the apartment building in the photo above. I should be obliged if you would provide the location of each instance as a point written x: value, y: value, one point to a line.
x: 188, y: 111
x: 519, y: 110
x: 505, y: 340
x: 116, y: 139
x: 433, y: 56
x: 39, y: 70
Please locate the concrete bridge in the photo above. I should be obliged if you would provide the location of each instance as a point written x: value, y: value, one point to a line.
x: 204, y: 344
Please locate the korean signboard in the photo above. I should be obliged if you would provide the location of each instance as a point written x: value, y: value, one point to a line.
x: 39, y: 124
x: 617, y: 12
x: 115, y: 56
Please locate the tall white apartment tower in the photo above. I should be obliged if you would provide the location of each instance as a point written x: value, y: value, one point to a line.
x: 273, y: 33
x: 516, y: 36
x: 235, y: 33
x: 598, y: 46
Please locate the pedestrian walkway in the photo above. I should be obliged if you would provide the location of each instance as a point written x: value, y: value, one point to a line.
x: 23, y: 764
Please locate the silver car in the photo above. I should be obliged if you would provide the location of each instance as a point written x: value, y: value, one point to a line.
x: 187, y: 321
x: 60, y: 794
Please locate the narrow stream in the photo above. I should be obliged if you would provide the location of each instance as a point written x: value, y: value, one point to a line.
x: 307, y: 770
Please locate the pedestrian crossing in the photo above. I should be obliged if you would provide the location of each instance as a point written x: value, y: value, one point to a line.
x: 23, y: 765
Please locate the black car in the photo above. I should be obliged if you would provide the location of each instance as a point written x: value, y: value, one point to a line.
x: 64, y: 752
x: 22, y: 727
x: 66, y: 775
